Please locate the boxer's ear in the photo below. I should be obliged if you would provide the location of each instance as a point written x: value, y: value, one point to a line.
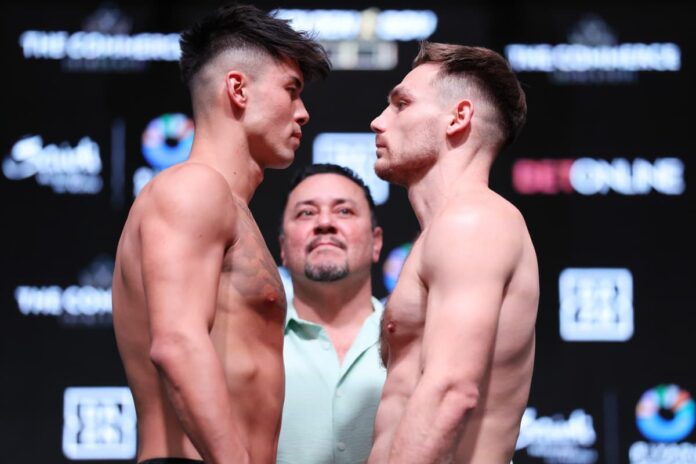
x: 461, y: 116
x: 236, y: 87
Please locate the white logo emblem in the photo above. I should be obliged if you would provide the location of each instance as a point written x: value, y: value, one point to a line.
x: 355, y: 151
x: 596, y: 304
x: 100, y: 423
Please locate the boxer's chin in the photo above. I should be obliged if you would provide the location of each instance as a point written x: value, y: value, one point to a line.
x: 384, y: 170
x: 390, y: 173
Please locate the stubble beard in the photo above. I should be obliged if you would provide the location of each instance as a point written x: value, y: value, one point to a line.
x: 326, y: 272
x: 407, y: 170
x: 409, y: 165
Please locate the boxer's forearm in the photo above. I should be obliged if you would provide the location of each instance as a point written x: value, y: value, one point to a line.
x: 196, y: 386
x: 431, y: 425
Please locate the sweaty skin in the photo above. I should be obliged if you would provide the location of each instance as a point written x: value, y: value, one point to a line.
x: 458, y: 337
x: 198, y: 313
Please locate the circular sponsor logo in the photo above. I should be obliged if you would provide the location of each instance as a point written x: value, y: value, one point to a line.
x: 393, y: 264
x: 167, y: 140
x: 666, y: 413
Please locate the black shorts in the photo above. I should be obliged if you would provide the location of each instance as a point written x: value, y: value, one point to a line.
x: 171, y: 461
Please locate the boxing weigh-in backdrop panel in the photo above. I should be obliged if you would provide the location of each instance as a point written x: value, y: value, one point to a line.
x: 94, y: 108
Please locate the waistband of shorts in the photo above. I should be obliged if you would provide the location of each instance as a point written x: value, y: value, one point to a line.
x: 171, y: 461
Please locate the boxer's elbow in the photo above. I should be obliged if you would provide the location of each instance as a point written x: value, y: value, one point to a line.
x: 457, y: 396
x: 169, y: 349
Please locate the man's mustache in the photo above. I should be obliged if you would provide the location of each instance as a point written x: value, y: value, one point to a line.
x: 322, y: 240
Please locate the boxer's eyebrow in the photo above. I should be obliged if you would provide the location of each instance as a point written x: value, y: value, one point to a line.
x: 398, y: 92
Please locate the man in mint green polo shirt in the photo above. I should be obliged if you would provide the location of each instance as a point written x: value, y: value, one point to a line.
x: 333, y: 372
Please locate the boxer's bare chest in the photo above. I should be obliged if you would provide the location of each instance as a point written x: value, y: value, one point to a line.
x: 250, y: 271
x: 404, y: 316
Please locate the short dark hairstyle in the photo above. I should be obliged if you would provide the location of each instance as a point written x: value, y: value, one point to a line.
x: 489, y: 72
x: 238, y: 26
x: 327, y: 168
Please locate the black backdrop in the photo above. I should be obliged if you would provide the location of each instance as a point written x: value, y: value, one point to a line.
x: 600, y: 172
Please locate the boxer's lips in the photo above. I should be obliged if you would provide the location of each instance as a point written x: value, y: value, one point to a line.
x: 380, y: 146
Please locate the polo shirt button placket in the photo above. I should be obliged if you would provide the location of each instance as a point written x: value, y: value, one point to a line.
x: 340, y: 446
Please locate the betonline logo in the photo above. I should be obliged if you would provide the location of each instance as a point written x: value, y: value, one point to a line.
x: 596, y: 304
x: 87, y: 304
x: 593, y: 56
x: 64, y: 168
x: 556, y: 439
x: 592, y: 176
x: 99, y: 423
x: 355, y: 151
